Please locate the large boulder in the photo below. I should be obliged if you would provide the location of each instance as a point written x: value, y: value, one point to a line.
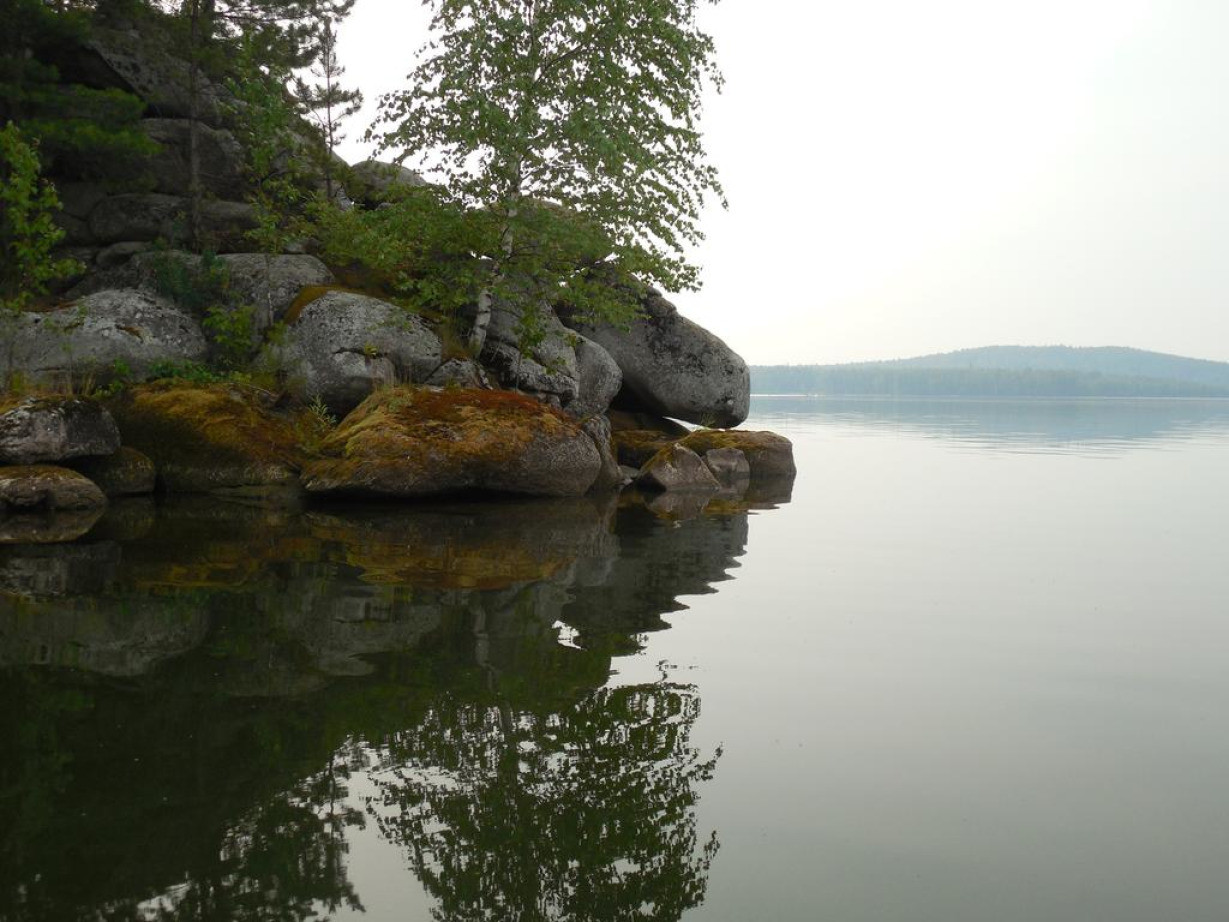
x: 209, y: 437
x: 99, y: 332
x: 45, y: 488
x: 138, y: 62
x: 410, y: 443
x: 38, y: 430
x: 674, y: 367
x: 598, y: 379
x: 343, y: 346
x: 374, y: 181
x: 221, y: 158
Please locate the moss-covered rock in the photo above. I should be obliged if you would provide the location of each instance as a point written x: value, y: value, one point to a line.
x: 44, y: 487
x: 41, y: 504
x: 128, y: 472
x: 206, y: 437
x: 634, y: 447
x: 415, y: 442
x: 770, y: 456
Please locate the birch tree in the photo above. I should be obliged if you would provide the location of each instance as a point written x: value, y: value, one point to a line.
x: 591, y: 105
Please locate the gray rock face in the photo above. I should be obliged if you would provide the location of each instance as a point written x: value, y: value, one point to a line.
x: 38, y: 430
x: 147, y: 216
x: 677, y: 468
x: 459, y: 373
x: 375, y: 181
x: 127, y: 60
x: 548, y: 369
x: 345, y: 345
x: 598, y: 380
x: 729, y: 466
x: 221, y: 158
x: 271, y: 283
x: 610, y: 477
x: 90, y: 336
x: 44, y: 488
x: 674, y: 367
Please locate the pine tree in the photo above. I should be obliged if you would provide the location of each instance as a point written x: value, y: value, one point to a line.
x: 326, y: 102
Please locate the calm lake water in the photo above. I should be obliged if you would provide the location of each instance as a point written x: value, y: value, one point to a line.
x: 975, y: 667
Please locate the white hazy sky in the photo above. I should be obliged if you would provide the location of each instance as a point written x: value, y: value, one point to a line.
x: 908, y: 177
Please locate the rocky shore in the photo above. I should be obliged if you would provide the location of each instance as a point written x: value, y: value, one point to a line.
x: 369, y: 400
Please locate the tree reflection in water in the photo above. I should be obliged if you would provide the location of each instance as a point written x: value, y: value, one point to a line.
x: 587, y: 814
x: 188, y: 708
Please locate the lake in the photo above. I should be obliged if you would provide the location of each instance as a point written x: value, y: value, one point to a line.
x: 975, y: 666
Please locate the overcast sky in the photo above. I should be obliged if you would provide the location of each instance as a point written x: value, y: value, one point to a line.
x: 909, y: 177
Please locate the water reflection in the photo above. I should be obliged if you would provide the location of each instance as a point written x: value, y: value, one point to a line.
x: 190, y: 695
x: 1083, y: 426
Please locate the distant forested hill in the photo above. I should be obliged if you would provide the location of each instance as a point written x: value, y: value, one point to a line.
x: 1007, y: 371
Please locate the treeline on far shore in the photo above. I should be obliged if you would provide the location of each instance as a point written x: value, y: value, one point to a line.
x: 887, y: 380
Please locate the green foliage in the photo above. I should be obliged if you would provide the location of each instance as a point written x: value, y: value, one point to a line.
x: 326, y: 102
x: 28, y: 232
x: 230, y: 331
x: 192, y: 372
x: 196, y: 285
x: 28, y: 236
x: 418, y: 248
x: 265, y: 120
x: 591, y: 105
x: 81, y: 131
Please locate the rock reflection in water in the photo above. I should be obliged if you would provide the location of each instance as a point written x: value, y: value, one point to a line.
x: 184, y: 710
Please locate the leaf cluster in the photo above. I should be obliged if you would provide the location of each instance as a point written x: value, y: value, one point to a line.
x: 589, y: 104
x: 28, y: 232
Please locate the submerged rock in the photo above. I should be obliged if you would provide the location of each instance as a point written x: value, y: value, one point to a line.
x: 407, y: 443
x: 41, y: 429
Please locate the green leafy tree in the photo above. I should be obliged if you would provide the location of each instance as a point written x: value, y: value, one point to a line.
x: 28, y: 236
x: 326, y: 102
x: 590, y: 105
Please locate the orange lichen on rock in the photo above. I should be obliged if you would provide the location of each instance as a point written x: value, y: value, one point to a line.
x: 202, y: 437
x: 425, y: 441
x: 770, y: 455
x: 634, y: 447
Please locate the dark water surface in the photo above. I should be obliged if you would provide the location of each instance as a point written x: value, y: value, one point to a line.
x: 977, y: 668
